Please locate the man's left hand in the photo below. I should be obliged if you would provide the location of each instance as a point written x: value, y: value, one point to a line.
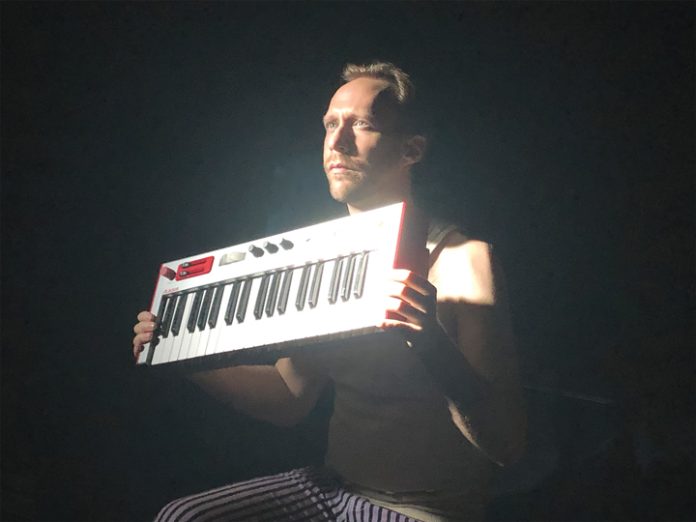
x: 411, y: 305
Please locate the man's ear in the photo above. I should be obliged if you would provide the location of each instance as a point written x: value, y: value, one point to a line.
x: 413, y: 149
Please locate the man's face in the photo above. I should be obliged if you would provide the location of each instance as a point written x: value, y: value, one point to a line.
x: 362, y: 152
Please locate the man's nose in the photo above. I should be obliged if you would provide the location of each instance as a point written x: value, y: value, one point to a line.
x: 340, y: 139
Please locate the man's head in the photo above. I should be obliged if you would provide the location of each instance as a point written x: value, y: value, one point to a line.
x: 371, y: 141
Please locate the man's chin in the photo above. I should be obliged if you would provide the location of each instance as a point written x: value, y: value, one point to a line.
x: 340, y: 196
x: 343, y: 191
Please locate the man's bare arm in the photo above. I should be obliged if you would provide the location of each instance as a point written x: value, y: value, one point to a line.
x: 470, y: 352
x: 482, y: 389
x: 282, y: 394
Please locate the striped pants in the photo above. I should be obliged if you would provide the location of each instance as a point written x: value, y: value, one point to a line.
x: 306, y: 494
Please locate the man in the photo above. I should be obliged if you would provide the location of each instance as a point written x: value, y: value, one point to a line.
x: 419, y: 422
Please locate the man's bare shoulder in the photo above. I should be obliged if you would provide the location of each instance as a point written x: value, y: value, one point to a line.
x: 463, y: 271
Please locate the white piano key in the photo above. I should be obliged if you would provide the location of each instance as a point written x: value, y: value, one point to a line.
x: 200, y: 341
x: 304, y: 279
x: 273, y: 293
x: 180, y: 344
x: 194, y: 342
x: 230, y: 335
x: 189, y: 344
x: 211, y: 345
x: 284, y: 296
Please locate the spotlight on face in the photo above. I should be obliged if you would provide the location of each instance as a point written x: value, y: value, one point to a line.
x: 363, y: 153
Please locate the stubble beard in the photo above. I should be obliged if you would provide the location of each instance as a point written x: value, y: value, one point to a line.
x: 347, y: 187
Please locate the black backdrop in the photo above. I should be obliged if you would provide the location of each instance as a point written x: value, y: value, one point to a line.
x: 134, y: 133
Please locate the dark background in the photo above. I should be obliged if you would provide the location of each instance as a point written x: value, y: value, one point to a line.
x: 135, y: 133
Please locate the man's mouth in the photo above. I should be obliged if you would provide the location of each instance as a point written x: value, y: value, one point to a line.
x: 339, y: 167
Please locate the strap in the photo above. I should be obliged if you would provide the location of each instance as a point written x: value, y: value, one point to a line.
x: 438, y: 233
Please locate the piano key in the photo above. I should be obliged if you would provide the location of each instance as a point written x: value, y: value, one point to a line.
x: 168, y: 315
x: 191, y: 313
x: 179, y: 314
x: 232, y: 303
x: 294, y: 283
x: 194, y: 339
x: 193, y: 316
x: 199, y: 337
x: 273, y: 293
x: 152, y: 347
x: 347, y: 281
x: 158, y: 323
x: 244, y: 329
x: 160, y: 310
x: 285, y: 291
x: 335, y: 280
x: 261, y: 296
x: 155, y: 341
x: 316, y: 284
x: 220, y: 323
x: 160, y: 314
x: 183, y: 310
x: 215, y: 306
x: 302, y: 291
x: 244, y: 300
x: 359, y: 286
x: 205, y: 308
x: 167, y: 338
x: 199, y: 343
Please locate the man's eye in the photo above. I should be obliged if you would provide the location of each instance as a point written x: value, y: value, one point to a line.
x: 362, y: 124
x: 328, y: 125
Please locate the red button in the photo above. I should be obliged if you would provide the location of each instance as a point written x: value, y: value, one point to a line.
x: 167, y: 272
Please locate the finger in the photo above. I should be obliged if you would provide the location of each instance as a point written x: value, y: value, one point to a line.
x: 401, y: 310
x: 142, y: 338
x: 425, y: 303
x: 414, y: 281
x: 402, y: 326
x: 144, y: 326
x: 146, y: 316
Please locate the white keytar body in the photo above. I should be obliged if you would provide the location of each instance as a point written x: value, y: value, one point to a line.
x: 375, y: 235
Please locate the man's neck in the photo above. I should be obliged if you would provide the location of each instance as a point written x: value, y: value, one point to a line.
x: 395, y: 191
x: 356, y: 208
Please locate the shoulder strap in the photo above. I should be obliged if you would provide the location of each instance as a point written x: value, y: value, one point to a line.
x: 438, y: 233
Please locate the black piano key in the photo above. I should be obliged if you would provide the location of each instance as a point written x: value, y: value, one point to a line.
x: 285, y: 291
x: 335, y: 280
x: 316, y: 284
x: 179, y: 314
x: 302, y: 290
x: 232, y: 303
x: 205, y: 308
x: 215, y: 306
x: 168, y: 315
x: 347, y: 281
x: 244, y: 300
x: 156, y: 333
x: 359, y: 285
x: 273, y: 294
x: 162, y: 305
x: 195, y: 308
x: 261, y: 296
x: 160, y: 313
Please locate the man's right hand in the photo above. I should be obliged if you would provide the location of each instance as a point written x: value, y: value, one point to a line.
x: 143, y: 331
